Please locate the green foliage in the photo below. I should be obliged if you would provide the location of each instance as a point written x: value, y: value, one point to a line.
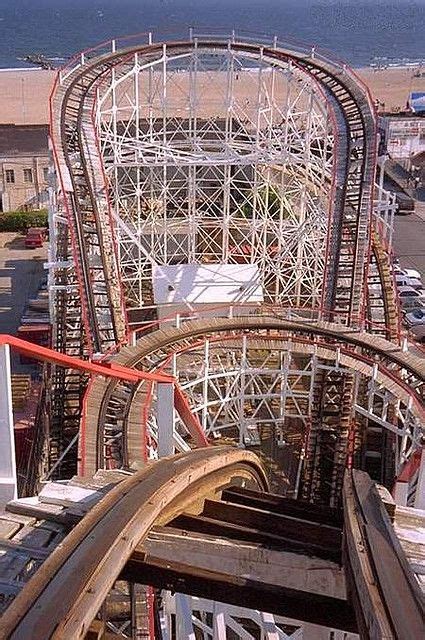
x: 22, y: 220
x: 274, y: 203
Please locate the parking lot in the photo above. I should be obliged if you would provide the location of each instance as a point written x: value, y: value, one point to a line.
x: 409, y: 248
x: 409, y: 240
x: 21, y: 270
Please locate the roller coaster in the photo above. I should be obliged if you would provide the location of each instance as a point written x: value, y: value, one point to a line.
x: 262, y: 423
x: 70, y: 546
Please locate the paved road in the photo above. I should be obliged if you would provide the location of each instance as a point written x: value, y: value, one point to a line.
x: 21, y: 270
x: 409, y: 239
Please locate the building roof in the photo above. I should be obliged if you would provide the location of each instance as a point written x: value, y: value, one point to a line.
x: 17, y: 140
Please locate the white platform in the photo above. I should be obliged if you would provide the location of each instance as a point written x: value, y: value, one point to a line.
x: 184, y: 287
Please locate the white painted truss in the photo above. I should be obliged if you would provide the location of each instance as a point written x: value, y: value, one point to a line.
x: 260, y: 392
x: 217, y: 157
x: 200, y: 618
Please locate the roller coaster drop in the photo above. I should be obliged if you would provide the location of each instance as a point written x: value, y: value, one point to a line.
x: 226, y: 150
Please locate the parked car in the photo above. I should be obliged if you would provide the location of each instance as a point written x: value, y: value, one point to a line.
x: 403, y: 280
x: 410, y: 273
x: 410, y: 292
x: 411, y: 298
x: 418, y: 332
x: 35, y: 237
x: 415, y: 317
x: 405, y: 203
x: 408, y: 304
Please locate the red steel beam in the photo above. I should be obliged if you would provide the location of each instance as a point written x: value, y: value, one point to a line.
x: 112, y: 370
x: 108, y: 369
x: 189, y: 419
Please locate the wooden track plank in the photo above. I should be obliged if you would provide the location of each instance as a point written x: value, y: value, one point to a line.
x: 37, y: 537
x: 372, y: 616
x: 66, y: 595
x: 66, y: 495
x: 35, y: 509
x: 22, y: 548
x: 375, y: 515
x: 407, y: 620
x: 245, y: 559
x: 8, y: 528
x: 12, y: 565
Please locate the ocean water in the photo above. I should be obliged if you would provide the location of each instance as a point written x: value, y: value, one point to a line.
x: 355, y: 30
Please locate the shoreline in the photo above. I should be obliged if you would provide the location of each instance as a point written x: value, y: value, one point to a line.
x: 370, y: 67
x: 12, y: 69
x: 24, y: 92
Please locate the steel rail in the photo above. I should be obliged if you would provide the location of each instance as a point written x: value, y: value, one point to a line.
x: 61, y: 600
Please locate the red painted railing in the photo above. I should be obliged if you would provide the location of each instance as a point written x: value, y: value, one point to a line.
x: 111, y: 370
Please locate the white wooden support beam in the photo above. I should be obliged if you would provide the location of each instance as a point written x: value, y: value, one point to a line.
x: 184, y: 626
x: 8, y: 485
x: 420, y: 488
x: 401, y: 492
x: 219, y: 621
x: 165, y: 419
x: 269, y: 628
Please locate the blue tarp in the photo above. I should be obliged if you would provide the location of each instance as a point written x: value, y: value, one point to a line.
x: 417, y: 101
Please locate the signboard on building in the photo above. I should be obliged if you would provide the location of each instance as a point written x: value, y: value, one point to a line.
x: 405, y: 137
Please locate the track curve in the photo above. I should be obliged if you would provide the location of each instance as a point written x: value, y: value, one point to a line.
x: 111, y: 406
x: 354, y: 167
x: 61, y: 600
x: 84, y: 185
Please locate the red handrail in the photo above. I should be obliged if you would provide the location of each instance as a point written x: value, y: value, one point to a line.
x: 108, y: 369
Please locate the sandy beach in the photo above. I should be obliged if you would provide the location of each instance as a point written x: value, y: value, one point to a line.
x: 24, y: 94
x: 392, y: 87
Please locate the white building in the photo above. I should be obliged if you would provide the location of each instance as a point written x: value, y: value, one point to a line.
x: 24, y: 162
